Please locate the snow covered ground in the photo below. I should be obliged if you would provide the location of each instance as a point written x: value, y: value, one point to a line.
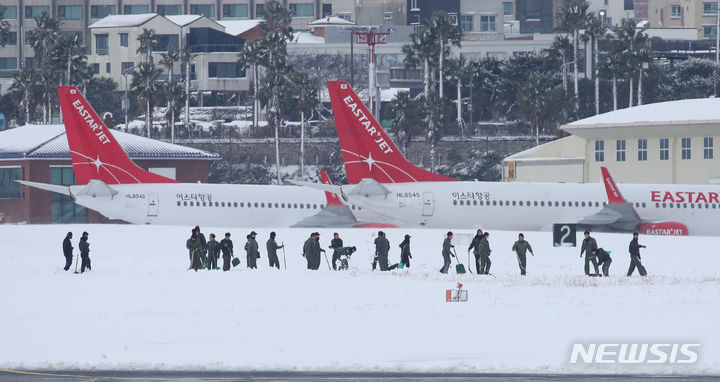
x: 139, y: 308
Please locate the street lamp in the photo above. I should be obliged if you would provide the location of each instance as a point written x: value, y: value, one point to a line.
x: 126, y: 100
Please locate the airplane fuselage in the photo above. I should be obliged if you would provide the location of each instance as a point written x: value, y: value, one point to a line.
x: 537, y: 206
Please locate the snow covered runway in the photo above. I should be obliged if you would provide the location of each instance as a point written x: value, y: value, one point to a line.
x: 140, y: 309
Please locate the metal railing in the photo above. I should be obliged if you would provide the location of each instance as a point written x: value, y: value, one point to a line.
x: 211, y: 48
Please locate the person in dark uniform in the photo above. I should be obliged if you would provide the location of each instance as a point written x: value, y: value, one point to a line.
x: 520, y: 248
x: 604, y: 260
x: 446, y: 252
x: 335, y: 243
x: 193, y: 246
x: 251, y: 247
x: 68, y: 250
x: 309, y: 252
x: 272, y: 247
x: 382, y: 248
x: 84, y: 252
x: 318, y: 249
x: 213, y: 248
x: 475, y: 248
x: 588, y: 245
x: 203, y: 243
x: 405, y: 255
x: 344, y: 254
x: 484, y: 250
x: 635, y: 256
x: 226, y: 246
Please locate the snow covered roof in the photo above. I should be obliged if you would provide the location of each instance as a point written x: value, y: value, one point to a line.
x: 330, y: 21
x: 118, y: 21
x: 183, y: 20
x: 306, y: 38
x: 237, y: 27
x: 49, y: 142
x: 682, y: 112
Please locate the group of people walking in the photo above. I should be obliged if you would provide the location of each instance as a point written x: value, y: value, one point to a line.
x: 84, y: 252
x: 600, y: 257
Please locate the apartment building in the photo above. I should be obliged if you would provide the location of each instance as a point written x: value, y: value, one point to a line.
x: 693, y: 14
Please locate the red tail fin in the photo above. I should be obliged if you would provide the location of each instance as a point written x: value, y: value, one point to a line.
x: 613, y: 192
x: 94, y: 151
x: 367, y: 150
x: 332, y: 198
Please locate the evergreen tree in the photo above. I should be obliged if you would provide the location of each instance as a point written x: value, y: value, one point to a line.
x: 443, y: 33
x: 407, y: 119
x: 145, y: 83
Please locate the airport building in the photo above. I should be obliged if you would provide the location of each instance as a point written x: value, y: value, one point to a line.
x: 668, y: 143
x: 40, y: 153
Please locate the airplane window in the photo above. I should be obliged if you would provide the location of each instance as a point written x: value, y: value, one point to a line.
x: 664, y: 205
x: 191, y: 204
x: 500, y: 202
x: 185, y: 204
x: 699, y: 205
x: 528, y: 203
x: 353, y: 207
x: 217, y: 204
x: 178, y: 203
x: 684, y: 205
x: 643, y: 204
x: 262, y: 205
x: 692, y: 205
x: 494, y: 202
x: 276, y: 205
x: 520, y: 203
x: 604, y: 204
x: 583, y: 204
x: 671, y: 205
x: 535, y: 203
x: 513, y: 202
x: 269, y: 205
x: 282, y: 205
x: 455, y: 202
x: 474, y: 202
x: 242, y: 204
x: 235, y: 204
x: 222, y: 204
x: 481, y: 202
x: 657, y: 205
x: 295, y: 205
x: 597, y: 204
x: 563, y: 204
x: 307, y: 206
x: 714, y: 205
x: 707, y: 206
x: 558, y: 204
x: 542, y: 203
x: 507, y: 203
x: 314, y: 206
x: 256, y: 205
x: 301, y: 205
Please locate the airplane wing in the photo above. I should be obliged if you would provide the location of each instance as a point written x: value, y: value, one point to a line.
x: 65, y: 190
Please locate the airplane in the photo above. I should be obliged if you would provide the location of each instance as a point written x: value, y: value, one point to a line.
x: 110, y: 183
x: 383, y: 181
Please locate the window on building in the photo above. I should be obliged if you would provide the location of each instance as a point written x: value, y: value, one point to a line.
x: 709, y: 31
x: 413, y: 4
x: 107, y: 67
x: 507, y: 8
x: 11, y: 38
x: 710, y: 8
x: 259, y: 10
x: 302, y: 10
x: 225, y: 70
x: 387, y: 15
x: 62, y: 208
x: 708, y: 147
x: 125, y: 67
x: 96, y: 68
x: 169, y: 9
x: 166, y: 40
x: 642, y: 149
x: 686, y: 149
x: 9, y: 188
x: 326, y: 10
x: 664, y: 148
x: 70, y: 12
x: 466, y: 23
x: 10, y: 12
x: 235, y: 10
x: 124, y: 39
x: 620, y: 150
x: 207, y: 10
x: 36, y: 10
x: 487, y: 23
x: 101, y: 44
x: 675, y: 10
x: 599, y: 151
x: 8, y: 63
x: 345, y: 16
x: 135, y: 9
x: 100, y: 11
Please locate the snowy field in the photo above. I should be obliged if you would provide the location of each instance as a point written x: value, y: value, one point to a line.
x: 139, y: 308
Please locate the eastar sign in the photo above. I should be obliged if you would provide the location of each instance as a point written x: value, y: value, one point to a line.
x: 684, y: 197
x: 85, y: 115
x: 363, y: 120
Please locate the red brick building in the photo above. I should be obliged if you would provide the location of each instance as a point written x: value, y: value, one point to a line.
x: 40, y: 153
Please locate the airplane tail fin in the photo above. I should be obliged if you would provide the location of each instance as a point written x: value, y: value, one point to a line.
x: 613, y: 192
x: 367, y: 150
x: 332, y: 198
x: 95, y: 152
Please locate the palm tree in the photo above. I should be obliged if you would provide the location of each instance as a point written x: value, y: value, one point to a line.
x: 168, y: 60
x: 253, y: 55
x: 306, y: 94
x: 276, y: 32
x: 574, y: 17
x: 173, y: 90
x: 43, y: 37
x: 611, y: 64
x: 632, y: 41
x: 462, y: 73
x: 22, y: 88
x: 86, y: 74
x: 562, y: 48
x: 443, y: 32
x: 435, y: 109
x: 596, y: 30
x: 148, y: 40
x: 185, y: 56
x: 145, y: 82
x: 420, y: 49
x: 66, y: 54
x: 407, y: 119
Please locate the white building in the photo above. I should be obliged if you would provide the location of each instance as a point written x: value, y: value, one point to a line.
x: 667, y: 142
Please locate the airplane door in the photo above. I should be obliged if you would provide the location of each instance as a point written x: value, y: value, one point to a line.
x: 428, y: 203
x: 153, y: 204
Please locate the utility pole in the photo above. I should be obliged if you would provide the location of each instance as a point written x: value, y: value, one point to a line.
x: 372, y: 38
